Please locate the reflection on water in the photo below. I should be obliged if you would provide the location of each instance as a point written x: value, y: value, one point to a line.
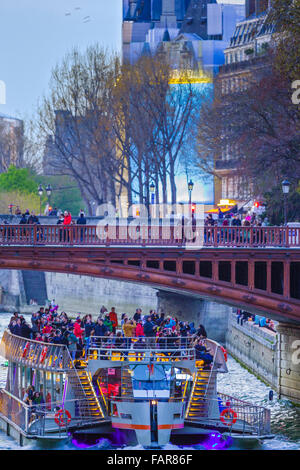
x: 285, y: 417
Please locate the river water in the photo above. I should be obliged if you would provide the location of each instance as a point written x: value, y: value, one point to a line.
x: 285, y: 417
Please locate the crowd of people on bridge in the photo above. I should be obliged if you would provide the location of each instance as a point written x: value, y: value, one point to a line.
x: 230, y: 219
x: 79, y: 334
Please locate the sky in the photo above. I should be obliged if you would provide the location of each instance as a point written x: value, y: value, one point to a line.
x: 36, y: 34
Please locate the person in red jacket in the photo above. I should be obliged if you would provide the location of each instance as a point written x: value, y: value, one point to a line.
x: 139, y: 331
x: 67, y: 218
x: 67, y: 222
x: 78, y: 331
x: 113, y: 318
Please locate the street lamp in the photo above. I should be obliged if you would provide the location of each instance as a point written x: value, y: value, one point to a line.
x: 49, y: 192
x: 190, y: 188
x: 40, y: 191
x: 285, y: 189
x: 152, y: 191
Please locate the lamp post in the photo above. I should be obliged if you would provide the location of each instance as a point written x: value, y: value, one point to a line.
x: 285, y: 189
x: 190, y: 188
x: 152, y: 191
x: 49, y: 192
x: 40, y: 192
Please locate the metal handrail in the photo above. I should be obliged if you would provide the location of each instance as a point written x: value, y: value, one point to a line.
x: 149, y: 235
x: 249, y: 418
x: 149, y: 342
x: 40, y: 355
x: 32, y: 418
x: 170, y: 349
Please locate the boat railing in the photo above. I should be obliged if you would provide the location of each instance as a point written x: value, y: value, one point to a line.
x: 143, y: 349
x: 45, y: 419
x: 36, y: 354
x: 235, y: 415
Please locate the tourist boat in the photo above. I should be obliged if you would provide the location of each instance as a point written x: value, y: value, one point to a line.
x: 145, y: 392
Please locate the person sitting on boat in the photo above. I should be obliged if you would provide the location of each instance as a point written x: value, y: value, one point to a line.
x: 88, y: 328
x: 108, y: 323
x: 160, y: 319
x: 202, y: 353
x: 17, y: 328
x: 47, y: 328
x: 129, y: 328
x: 114, y: 319
x: 170, y: 323
x: 38, y: 403
x: 28, y: 395
x: 149, y: 328
x: 139, y: 331
x: 72, y: 343
x: 138, y: 315
x: 57, y: 338
x: 201, y: 331
x: 26, y: 331
x: 100, y: 329
x: 12, y: 324
x: 78, y: 331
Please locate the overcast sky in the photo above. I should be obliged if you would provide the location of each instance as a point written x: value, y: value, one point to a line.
x: 36, y: 34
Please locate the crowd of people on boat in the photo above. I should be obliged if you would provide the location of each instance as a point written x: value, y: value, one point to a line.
x: 79, y: 334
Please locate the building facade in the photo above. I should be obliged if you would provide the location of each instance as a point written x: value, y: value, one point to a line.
x: 190, y: 35
x: 11, y: 142
x: 245, y: 61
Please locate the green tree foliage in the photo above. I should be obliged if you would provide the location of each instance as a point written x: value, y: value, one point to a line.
x: 19, y: 186
x: 17, y: 199
x: 17, y: 179
x: 65, y: 193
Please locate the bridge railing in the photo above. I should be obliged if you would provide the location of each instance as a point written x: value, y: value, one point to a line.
x: 146, y: 235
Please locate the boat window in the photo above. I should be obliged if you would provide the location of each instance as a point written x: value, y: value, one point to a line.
x: 151, y: 384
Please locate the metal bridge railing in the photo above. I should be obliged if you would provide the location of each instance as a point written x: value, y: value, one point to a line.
x: 149, y: 235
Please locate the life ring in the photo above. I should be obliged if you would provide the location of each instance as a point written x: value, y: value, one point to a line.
x: 229, y: 414
x: 225, y: 353
x: 24, y: 354
x: 43, y: 355
x: 62, y: 417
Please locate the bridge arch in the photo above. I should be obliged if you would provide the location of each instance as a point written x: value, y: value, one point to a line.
x: 176, y: 270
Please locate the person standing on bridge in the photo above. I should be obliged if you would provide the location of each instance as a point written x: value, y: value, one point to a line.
x: 81, y: 221
x: 67, y: 223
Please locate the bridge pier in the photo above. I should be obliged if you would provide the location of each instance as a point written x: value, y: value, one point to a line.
x: 213, y: 316
x: 289, y: 362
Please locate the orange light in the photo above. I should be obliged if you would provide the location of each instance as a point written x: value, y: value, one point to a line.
x: 256, y: 204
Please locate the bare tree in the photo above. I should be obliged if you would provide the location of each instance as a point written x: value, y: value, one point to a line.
x: 74, y: 121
